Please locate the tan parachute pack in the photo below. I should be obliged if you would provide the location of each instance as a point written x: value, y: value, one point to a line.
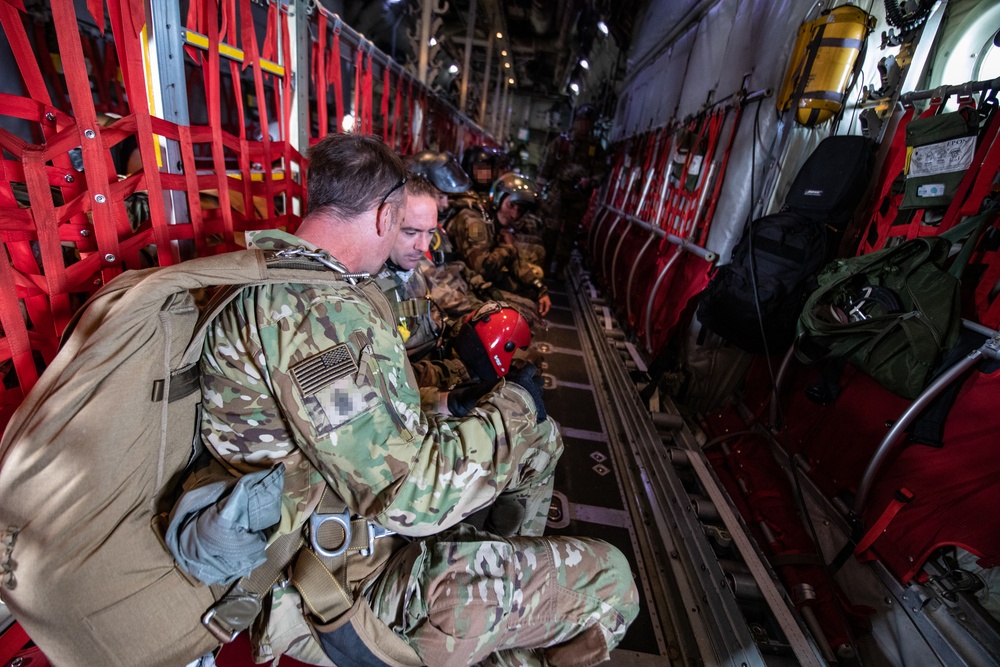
x: 95, y: 453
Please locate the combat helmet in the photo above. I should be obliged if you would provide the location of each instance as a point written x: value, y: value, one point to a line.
x: 488, y: 338
x: 484, y: 164
x: 520, y: 189
x: 441, y: 170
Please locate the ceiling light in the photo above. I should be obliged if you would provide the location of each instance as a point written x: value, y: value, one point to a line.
x: 603, y: 27
x: 499, y: 35
x: 503, y: 53
x: 347, y: 123
x: 507, y: 65
x: 575, y: 87
x: 432, y: 42
x: 453, y: 69
x: 584, y: 64
x: 510, y: 81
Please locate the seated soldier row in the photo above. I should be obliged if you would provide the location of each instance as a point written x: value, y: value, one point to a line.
x: 468, y: 341
x: 309, y: 400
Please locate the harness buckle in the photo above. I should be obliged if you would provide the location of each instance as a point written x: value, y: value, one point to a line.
x: 316, y: 522
x: 231, y: 615
x: 374, y: 533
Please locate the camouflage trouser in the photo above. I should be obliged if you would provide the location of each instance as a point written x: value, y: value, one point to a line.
x: 466, y: 597
x: 520, y: 509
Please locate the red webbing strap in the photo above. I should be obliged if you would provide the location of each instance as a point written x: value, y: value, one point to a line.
x: 195, y: 21
x: 243, y: 154
x: 335, y: 66
x: 661, y: 177
x: 227, y: 31
x: 384, y: 107
x: 286, y: 109
x: 916, y: 226
x: 895, y: 163
x: 366, y: 91
x: 319, y: 75
x: 396, y: 109
x: 899, y: 500
x: 191, y: 181
x: 95, y: 165
x: 270, y: 50
x: 659, y: 145
x: 358, y: 63
x: 127, y: 28
x: 978, y: 180
x: 713, y: 130
x: 705, y: 224
x: 214, y: 109
x: 251, y: 55
x: 14, y: 330
x: 23, y: 54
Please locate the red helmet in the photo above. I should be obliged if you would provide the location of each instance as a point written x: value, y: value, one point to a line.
x: 488, y: 338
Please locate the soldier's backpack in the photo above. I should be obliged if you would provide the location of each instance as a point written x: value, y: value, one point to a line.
x: 832, y: 182
x: 95, y: 453
x: 754, y: 301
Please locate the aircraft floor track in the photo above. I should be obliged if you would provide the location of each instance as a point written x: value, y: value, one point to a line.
x: 588, y: 500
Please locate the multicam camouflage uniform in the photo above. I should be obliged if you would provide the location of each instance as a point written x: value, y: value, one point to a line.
x: 475, y: 240
x: 527, y: 233
x: 356, y: 430
x: 571, y: 165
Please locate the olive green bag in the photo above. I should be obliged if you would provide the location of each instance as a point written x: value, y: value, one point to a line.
x: 891, y: 313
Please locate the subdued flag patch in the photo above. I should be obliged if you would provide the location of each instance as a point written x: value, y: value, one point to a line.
x: 322, y: 370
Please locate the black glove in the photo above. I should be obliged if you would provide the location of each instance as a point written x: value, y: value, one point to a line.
x: 465, y: 396
x: 527, y: 378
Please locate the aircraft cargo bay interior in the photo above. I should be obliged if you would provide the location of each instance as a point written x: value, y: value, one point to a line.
x: 453, y: 332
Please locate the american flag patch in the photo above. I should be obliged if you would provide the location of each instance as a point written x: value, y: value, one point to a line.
x: 322, y: 370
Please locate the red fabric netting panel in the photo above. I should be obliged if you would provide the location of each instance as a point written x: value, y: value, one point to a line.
x: 93, y: 183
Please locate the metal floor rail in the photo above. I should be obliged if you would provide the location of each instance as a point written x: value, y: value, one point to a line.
x: 694, y: 606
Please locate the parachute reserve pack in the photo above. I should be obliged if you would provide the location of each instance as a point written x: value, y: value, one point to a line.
x: 94, y: 455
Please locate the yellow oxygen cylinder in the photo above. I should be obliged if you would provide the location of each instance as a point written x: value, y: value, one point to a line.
x: 822, y: 62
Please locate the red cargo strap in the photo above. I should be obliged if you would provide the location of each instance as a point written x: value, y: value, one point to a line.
x: 319, y: 75
x: 702, y: 226
x: 386, y: 81
x: 887, y: 204
x: 899, y: 500
x: 366, y: 91
x: 252, y: 58
x: 334, y: 67
x: 358, y: 66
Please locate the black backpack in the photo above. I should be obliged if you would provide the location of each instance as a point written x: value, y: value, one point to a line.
x: 788, y: 249
x: 832, y: 181
x: 781, y: 253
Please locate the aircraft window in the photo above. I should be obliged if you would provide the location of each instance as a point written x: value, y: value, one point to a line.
x: 969, y: 53
x: 988, y: 64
